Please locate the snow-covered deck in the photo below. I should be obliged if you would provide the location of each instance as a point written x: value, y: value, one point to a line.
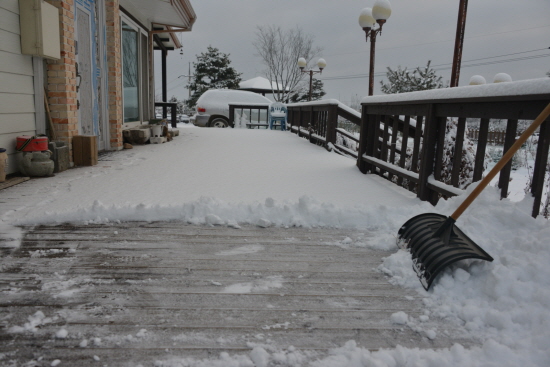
x: 235, y: 247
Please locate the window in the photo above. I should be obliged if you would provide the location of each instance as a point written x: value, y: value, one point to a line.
x: 135, y: 62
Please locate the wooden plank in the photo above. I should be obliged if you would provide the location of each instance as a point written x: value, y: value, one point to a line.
x: 428, y: 154
x: 438, y: 160
x: 539, y: 169
x: 349, y: 116
x: 509, y: 140
x: 194, y: 312
x: 404, y: 145
x: 347, y: 134
x: 400, y: 172
x: 481, y: 146
x: 512, y: 107
x: 395, y: 130
x: 459, y: 144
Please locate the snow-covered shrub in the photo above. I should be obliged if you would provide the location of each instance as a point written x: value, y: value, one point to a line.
x: 467, y: 163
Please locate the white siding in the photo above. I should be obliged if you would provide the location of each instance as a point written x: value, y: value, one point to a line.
x: 17, y: 115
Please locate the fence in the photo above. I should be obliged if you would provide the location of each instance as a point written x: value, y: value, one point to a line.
x: 493, y: 137
x: 403, y: 136
x: 318, y: 121
x: 258, y: 121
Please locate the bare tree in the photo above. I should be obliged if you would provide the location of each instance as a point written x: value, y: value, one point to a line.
x: 280, y: 50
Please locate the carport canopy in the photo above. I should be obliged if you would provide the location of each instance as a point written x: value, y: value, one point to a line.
x: 260, y: 85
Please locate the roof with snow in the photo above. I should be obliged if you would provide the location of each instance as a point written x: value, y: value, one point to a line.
x: 260, y: 85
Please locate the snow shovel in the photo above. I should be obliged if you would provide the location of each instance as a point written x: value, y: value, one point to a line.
x: 433, y: 239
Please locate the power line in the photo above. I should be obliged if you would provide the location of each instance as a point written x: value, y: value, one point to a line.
x: 465, y: 64
x: 434, y: 42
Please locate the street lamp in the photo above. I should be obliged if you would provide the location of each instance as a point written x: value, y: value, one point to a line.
x: 321, y: 64
x: 379, y: 13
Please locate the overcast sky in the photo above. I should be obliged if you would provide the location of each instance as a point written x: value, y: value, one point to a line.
x: 417, y: 31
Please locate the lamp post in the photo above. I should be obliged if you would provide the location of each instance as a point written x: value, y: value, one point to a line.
x: 321, y: 64
x: 368, y: 18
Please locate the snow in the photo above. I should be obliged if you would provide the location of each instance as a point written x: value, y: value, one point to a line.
x: 263, y: 177
x: 328, y: 102
x: 522, y: 87
x: 260, y: 84
x: 477, y: 80
x: 502, y: 78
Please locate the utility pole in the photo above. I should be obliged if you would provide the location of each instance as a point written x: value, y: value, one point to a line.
x: 459, y: 41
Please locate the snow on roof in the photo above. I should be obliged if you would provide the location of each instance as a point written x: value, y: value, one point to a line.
x: 260, y: 84
x: 522, y: 87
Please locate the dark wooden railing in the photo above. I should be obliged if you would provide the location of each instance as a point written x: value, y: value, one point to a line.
x: 493, y: 137
x: 173, y: 111
x: 318, y: 121
x: 402, y: 137
x: 430, y: 115
x: 261, y: 120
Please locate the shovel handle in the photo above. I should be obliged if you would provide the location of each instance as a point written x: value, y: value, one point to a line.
x: 502, y: 162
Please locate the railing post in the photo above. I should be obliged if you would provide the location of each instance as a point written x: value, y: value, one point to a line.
x: 428, y: 154
x: 509, y: 140
x: 541, y: 161
x: 311, y: 127
x: 365, y: 141
x: 332, y: 124
x: 231, y: 115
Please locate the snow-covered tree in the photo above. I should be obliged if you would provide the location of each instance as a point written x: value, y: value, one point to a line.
x: 280, y: 51
x: 302, y: 95
x: 212, y: 71
x: 403, y: 80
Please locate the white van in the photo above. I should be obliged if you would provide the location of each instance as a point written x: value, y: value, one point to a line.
x: 213, y: 106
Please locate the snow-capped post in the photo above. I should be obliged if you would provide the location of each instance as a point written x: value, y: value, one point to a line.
x: 379, y: 13
x: 321, y: 64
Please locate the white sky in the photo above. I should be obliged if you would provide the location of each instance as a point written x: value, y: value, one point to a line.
x: 416, y: 32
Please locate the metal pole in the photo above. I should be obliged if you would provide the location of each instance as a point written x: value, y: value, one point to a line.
x: 371, y: 66
x: 164, y: 83
x: 459, y: 41
x: 310, y: 84
x: 189, y: 80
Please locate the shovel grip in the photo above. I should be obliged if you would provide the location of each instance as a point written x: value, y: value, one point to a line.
x: 502, y: 162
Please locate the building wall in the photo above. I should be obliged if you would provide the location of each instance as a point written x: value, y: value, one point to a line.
x: 17, y: 109
x: 114, y: 63
x: 61, y: 77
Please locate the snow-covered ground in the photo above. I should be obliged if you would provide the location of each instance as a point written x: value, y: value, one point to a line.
x: 273, y: 178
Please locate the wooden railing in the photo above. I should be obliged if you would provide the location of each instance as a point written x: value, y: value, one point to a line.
x: 429, y: 112
x: 493, y: 137
x: 240, y: 109
x: 318, y: 121
x: 403, y: 137
x: 173, y: 111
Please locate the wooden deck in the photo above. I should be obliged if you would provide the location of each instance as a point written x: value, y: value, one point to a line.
x: 134, y: 293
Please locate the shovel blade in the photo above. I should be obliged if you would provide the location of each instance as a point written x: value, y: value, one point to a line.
x: 435, y: 242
